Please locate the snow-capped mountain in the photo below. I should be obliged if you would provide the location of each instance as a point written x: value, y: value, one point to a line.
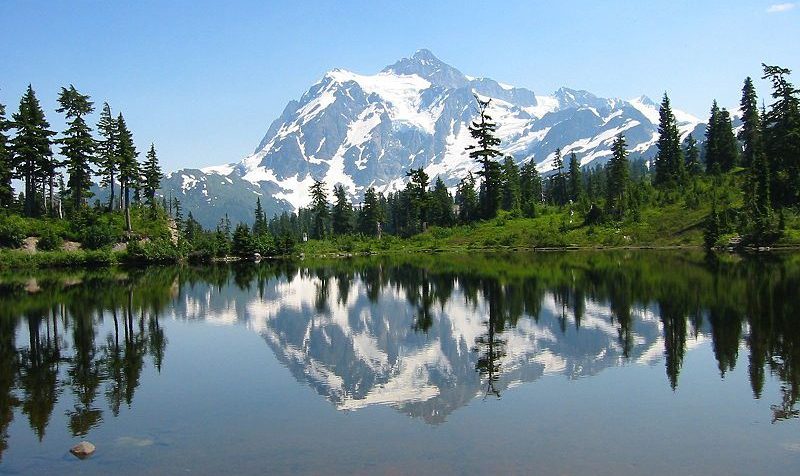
x: 369, y: 130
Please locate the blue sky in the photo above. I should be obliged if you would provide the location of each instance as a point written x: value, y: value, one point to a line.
x: 203, y: 80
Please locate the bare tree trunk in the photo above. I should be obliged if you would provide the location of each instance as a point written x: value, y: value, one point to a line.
x: 111, y: 200
x: 127, y: 209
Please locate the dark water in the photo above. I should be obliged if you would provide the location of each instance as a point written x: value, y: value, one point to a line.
x: 576, y: 363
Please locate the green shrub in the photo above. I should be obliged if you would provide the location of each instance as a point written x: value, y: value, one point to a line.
x: 99, y: 235
x: 156, y: 251
x: 13, y: 230
x: 49, y: 241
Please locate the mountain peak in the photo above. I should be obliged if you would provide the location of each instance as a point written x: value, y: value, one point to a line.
x: 425, y: 64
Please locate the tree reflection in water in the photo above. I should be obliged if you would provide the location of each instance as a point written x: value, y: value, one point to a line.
x: 557, y: 304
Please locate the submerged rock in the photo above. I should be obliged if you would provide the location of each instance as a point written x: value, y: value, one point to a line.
x: 84, y: 449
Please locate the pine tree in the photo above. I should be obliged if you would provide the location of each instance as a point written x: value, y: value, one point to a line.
x: 416, y: 193
x: 558, y: 182
x: 618, y: 181
x: 670, y: 168
x: 128, y: 166
x: 467, y: 199
x: 6, y: 166
x: 575, y: 178
x: 530, y: 187
x: 511, y: 185
x: 721, y: 151
x: 32, y: 154
x: 319, y: 210
x: 483, y: 130
x: 370, y: 215
x: 242, y: 243
x: 782, y: 137
x: 151, y: 176
x: 260, y: 226
x: 693, y: 165
x: 77, y: 145
x: 441, y: 205
x: 750, y: 133
x: 342, y: 212
x: 107, y: 150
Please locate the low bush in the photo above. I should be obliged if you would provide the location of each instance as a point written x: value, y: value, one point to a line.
x: 13, y: 231
x: 49, y: 241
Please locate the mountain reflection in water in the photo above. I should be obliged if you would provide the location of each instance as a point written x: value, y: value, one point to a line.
x: 424, y: 334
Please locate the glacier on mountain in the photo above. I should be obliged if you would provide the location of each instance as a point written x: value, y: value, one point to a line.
x: 364, y: 131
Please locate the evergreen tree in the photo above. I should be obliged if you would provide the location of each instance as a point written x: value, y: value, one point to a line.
x: 107, y: 149
x: 711, y: 230
x: 6, y: 166
x: 441, y: 205
x: 530, y: 187
x: 151, y: 176
x: 242, y: 243
x: 416, y: 193
x: 128, y: 166
x: 670, y: 168
x: 260, y: 226
x: 575, y: 178
x: 483, y: 130
x: 750, y: 133
x: 467, y: 199
x: 77, y: 145
x: 342, y: 212
x: 558, y: 182
x: 618, y: 181
x: 32, y: 154
x: 782, y: 137
x: 191, y: 229
x: 511, y: 185
x: 693, y: 165
x: 721, y: 152
x: 370, y: 215
x: 319, y: 210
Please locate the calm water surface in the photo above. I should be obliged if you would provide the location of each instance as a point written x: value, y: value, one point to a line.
x: 573, y: 363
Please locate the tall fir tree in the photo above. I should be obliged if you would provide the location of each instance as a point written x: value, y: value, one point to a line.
x: 107, y: 151
x: 750, y: 133
x: 417, y: 195
x: 558, y: 181
x: 6, y: 166
x: 370, y: 215
x: 483, y: 130
x: 466, y: 200
x: 341, y: 212
x: 721, y: 150
x: 782, y: 137
x: 530, y: 188
x: 260, y: 225
x: 77, y: 145
x: 669, y: 164
x: 575, y: 178
x: 128, y: 166
x: 511, y: 185
x: 618, y: 180
x: 693, y: 165
x: 31, y: 148
x: 151, y: 176
x: 320, y: 210
x: 441, y: 205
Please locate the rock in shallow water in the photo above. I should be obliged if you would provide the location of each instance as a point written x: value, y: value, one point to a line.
x: 84, y: 449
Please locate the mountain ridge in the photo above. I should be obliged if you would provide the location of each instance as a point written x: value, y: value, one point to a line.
x: 364, y: 131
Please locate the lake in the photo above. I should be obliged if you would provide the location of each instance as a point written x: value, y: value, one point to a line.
x: 624, y: 362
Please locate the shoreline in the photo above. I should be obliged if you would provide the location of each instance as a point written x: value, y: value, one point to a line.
x: 20, y: 259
